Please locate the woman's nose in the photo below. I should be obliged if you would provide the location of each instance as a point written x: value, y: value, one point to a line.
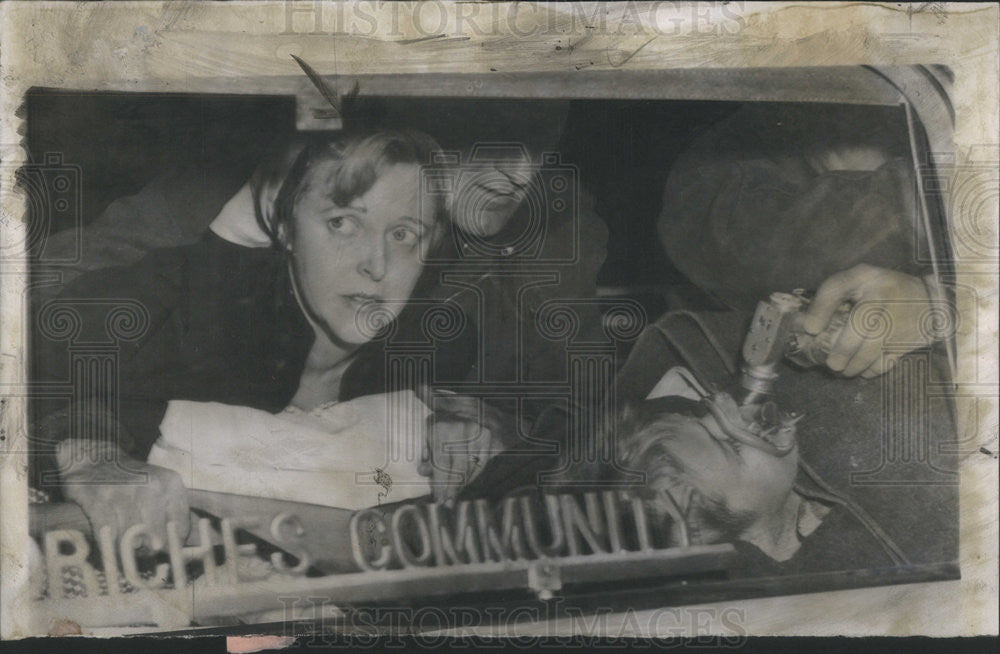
x: 372, y: 263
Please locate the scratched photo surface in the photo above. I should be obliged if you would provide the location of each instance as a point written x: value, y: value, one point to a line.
x: 412, y: 348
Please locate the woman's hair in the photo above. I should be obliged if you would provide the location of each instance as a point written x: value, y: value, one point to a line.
x: 359, y: 158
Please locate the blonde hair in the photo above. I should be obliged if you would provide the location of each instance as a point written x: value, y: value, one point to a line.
x: 645, y: 433
x: 360, y: 158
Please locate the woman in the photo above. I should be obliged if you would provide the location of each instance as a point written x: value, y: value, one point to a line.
x: 268, y: 328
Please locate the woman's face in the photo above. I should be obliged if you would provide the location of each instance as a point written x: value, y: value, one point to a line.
x: 356, y: 266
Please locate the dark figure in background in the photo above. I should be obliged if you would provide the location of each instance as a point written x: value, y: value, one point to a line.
x: 776, y: 198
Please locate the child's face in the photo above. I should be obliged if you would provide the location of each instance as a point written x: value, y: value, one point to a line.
x: 357, y: 265
x: 721, y: 485
x: 743, y: 478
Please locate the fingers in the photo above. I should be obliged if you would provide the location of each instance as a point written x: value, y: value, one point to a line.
x: 446, y: 477
x: 848, y: 344
x: 426, y: 467
x: 464, y: 407
x: 120, y: 506
x: 501, y: 426
x: 456, y: 454
x: 463, y: 453
x: 153, y: 514
x: 437, y: 461
x: 161, y: 500
x: 157, y: 502
x: 481, y: 448
x: 177, y: 509
x: 837, y: 289
x: 458, y: 407
x: 856, y: 354
x: 99, y: 511
x: 866, y: 356
x: 465, y: 433
x: 102, y: 513
x: 881, y: 366
x: 870, y: 373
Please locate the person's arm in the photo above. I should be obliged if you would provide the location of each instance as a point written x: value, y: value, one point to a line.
x: 96, y: 437
x: 126, y: 312
x: 173, y: 209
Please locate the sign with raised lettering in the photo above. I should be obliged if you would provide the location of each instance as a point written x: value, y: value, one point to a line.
x: 532, y: 542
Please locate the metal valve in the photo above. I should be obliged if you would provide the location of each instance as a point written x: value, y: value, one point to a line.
x: 774, y: 334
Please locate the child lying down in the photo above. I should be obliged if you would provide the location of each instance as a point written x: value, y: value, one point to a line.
x: 735, y: 475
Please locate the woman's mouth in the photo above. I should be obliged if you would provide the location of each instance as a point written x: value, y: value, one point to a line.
x: 360, y: 300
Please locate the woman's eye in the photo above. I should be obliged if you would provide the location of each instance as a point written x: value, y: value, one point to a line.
x: 404, y: 236
x: 340, y: 225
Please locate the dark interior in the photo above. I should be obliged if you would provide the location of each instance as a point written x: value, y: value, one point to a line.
x: 623, y: 150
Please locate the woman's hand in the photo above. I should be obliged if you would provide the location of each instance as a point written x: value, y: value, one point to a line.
x: 898, y: 305
x: 111, y: 490
x: 465, y: 433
